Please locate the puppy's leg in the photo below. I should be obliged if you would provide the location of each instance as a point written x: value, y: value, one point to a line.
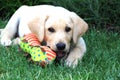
x: 16, y: 41
x: 9, y: 31
x: 76, y: 54
x: 1, y: 31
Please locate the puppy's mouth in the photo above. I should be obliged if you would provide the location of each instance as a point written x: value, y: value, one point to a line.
x: 60, y: 54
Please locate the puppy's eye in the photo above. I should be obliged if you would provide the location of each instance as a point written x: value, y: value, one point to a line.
x: 67, y: 29
x: 51, y: 29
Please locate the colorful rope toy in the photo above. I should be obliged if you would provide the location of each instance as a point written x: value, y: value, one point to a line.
x: 42, y: 54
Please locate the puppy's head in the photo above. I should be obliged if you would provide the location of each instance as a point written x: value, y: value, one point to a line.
x: 59, y: 30
x: 58, y: 34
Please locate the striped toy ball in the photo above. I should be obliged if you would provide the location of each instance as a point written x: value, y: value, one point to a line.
x: 38, y: 55
x: 32, y: 39
x: 30, y: 44
x: 51, y: 55
x: 42, y: 54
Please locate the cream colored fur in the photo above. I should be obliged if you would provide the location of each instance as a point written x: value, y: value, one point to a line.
x: 38, y: 19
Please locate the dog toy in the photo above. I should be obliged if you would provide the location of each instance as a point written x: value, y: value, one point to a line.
x: 42, y: 54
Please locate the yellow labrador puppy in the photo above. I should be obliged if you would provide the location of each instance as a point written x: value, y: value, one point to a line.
x: 59, y: 28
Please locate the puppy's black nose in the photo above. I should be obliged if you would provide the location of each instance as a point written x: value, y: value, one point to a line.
x: 60, y: 46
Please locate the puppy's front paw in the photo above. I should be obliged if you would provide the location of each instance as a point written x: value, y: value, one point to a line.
x: 72, y: 61
x: 73, y: 57
x: 6, y: 42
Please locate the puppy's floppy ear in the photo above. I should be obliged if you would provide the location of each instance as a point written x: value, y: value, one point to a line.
x: 79, y: 26
x: 37, y: 26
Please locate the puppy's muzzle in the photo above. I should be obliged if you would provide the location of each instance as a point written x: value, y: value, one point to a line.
x: 60, y: 50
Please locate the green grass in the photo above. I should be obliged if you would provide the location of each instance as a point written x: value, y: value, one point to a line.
x: 101, y: 13
x: 101, y: 61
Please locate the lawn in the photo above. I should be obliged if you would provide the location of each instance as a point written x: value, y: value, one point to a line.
x: 101, y: 61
